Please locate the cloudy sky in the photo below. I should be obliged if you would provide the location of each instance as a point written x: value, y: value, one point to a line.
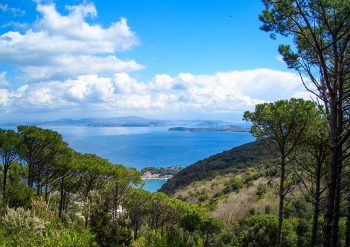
x: 180, y: 59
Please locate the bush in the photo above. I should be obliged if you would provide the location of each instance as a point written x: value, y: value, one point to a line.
x: 151, y: 239
x: 234, y: 184
x: 67, y: 237
x: 261, y: 191
x: 260, y: 231
x: 22, y: 227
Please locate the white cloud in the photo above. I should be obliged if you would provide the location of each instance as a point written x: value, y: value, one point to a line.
x: 4, y: 98
x: 234, y: 91
x: 66, y: 46
x: 69, y: 65
x: 3, y: 79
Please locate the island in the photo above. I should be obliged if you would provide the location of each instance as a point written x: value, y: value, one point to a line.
x: 231, y: 128
x: 160, y: 172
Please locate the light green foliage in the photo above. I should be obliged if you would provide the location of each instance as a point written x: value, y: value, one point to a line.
x: 21, y: 225
x: 152, y: 239
x: 67, y: 237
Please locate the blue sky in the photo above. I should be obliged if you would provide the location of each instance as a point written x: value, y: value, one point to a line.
x: 195, y: 59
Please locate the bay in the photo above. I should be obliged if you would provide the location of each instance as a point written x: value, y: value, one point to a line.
x: 149, y: 146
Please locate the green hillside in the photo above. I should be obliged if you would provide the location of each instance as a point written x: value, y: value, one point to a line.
x: 220, y: 164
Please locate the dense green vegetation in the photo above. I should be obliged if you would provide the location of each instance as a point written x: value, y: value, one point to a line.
x: 54, y: 196
x: 291, y: 188
x: 289, y: 183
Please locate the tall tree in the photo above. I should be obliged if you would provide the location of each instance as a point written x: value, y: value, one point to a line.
x: 280, y: 126
x: 9, y: 144
x: 311, y: 168
x: 136, y: 207
x: 93, y: 171
x: 41, y: 149
x: 320, y: 30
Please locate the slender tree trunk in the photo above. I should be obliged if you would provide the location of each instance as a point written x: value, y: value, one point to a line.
x: 6, y: 167
x: 30, y: 174
x: 66, y: 202
x: 115, y: 203
x: 46, y: 193
x: 61, y: 206
x: 336, y: 212
x: 281, y: 203
x: 88, y: 211
x: 136, y: 228
x: 38, y: 184
x: 316, y: 208
x: 207, y: 240
x: 347, y: 228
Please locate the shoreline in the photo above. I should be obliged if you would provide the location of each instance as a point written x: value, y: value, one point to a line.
x: 156, y: 178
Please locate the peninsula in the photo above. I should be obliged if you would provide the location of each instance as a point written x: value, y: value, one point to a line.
x: 231, y: 128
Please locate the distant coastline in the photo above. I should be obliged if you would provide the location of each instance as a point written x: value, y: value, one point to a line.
x: 159, y: 173
x: 231, y: 128
x: 129, y: 121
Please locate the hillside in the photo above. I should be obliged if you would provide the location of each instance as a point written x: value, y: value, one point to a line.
x: 217, y: 165
x: 233, y: 184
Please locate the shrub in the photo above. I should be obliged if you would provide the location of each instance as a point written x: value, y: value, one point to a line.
x: 261, y: 191
x: 22, y: 227
x: 260, y: 231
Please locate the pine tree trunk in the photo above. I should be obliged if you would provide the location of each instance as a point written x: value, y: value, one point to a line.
x: 5, y: 181
x: 281, y: 203
x: 136, y: 228
x: 347, y: 228
x: 336, y: 212
x: 316, y: 206
x: 60, y: 209
x: 46, y: 193
x: 207, y: 240
x: 331, y: 180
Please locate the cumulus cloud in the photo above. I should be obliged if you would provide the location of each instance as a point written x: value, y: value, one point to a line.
x: 234, y: 91
x: 66, y: 64
x: 66, y: 46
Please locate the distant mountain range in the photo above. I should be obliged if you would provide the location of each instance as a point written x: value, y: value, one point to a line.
x: 128, y: 121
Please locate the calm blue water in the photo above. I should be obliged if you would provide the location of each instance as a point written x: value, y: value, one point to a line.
x: 149, y: 146
x: 153, y: 184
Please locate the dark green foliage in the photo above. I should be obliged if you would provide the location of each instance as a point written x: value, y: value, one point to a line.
x: 210, y: 227
x: 102, y: 224
x: 260, y: 231
x: 191, y: 222
x: 18, y: 194
x: 261, y: 191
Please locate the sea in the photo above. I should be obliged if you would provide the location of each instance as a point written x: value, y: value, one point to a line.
x: 140, y: 147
